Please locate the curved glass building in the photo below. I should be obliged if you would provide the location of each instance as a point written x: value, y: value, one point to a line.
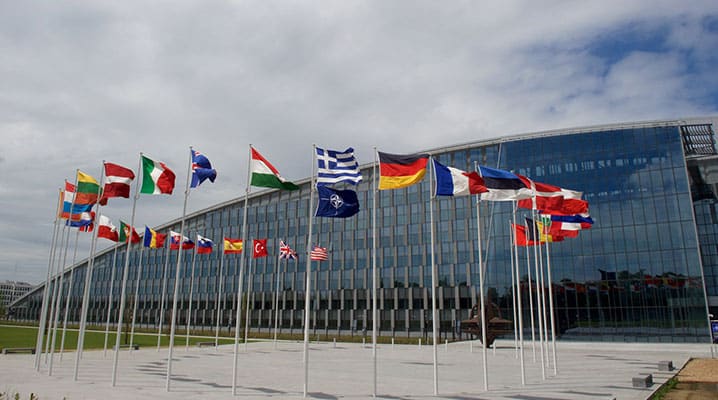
x: 646, y: 271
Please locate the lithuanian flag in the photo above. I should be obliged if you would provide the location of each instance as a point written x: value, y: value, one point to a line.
x: 88, y: 189
x: 397, y: 171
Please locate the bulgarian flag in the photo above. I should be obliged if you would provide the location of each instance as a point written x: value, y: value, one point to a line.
x: 156, y: 177
x: 265, y: 175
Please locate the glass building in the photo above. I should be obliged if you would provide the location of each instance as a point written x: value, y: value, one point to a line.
x: 646, y: 271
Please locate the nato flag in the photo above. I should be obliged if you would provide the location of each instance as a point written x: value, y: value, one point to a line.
x: 336, y: 203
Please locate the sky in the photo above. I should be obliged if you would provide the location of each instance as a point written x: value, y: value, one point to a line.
x: 82, y: 82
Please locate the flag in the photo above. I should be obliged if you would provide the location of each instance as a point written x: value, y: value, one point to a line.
x: 336, y: 203
x: 397, y: 171
x: 175, y: 241
x: 455, y: 182
x: 543, y: 196
x: 201, y: 170
x: 68, y: 196
x: 117, y: 182
x: 105, y: 229
x: 319, y: 254
x: 265, y: 175
x: 204, y: 245
x: 156, y: 177
x: 87, y: 189
x: 521, y: 236
x: 125, y: 233
x: 259, y: 248
x: 286, y: 252
x: 502, y: 185
x: 536, y: 231
x: 334, y: 167
x: 233, y: 246
x: 154, y: 239
x: 83, y: 220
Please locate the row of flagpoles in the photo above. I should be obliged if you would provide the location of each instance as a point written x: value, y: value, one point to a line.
x: 556, y: 213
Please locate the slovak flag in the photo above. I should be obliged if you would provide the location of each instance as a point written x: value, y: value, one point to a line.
x: 176, y: 239
x: 455, y: 182
x: 204, y: 245
x: 201, y: 169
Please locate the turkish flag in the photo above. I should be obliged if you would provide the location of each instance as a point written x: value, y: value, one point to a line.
x: 259, y: 248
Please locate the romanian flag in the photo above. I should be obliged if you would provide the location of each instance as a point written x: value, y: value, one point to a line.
x: 87, y: 190
x: 153, y: 239
x: 233, y: 246
x: 397, y: 171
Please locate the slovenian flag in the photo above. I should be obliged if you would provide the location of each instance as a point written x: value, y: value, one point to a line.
x: 156, y: 177
x: 204, y: 245
x: 455, y: 182
x: 265, y: 175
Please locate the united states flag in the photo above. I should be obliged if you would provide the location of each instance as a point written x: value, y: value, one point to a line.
x: 286, y: 252
x: 319, y: 254
x: 335, y: 166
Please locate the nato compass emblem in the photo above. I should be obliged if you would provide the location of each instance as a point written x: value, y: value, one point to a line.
x: 336, y: 201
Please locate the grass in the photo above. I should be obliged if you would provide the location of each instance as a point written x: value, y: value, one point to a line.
x: 664, y: 389
x: 16, y: 336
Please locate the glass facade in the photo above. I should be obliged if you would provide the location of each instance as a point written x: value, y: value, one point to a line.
x: 637, y: 275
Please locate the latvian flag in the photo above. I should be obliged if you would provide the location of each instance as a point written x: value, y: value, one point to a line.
x: 117, y: 182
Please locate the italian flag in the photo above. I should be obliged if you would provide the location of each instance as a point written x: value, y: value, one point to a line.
x: 265, y: 175
x: 156, y: 177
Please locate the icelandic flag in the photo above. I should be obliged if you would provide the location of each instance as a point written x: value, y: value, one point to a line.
x: 336, y: 203
x: 204, y: 245
x: 201, y: 169
x: 334, y: 167
x: 175, y: 241
x: 503, y: 185
x: 455, y: 182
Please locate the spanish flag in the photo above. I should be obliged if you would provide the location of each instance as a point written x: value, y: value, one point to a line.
x: 233, y: 246
x: 397, y: 171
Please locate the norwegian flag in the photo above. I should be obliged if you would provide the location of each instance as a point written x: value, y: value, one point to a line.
x: 319, y: 254
x: 286, y: 252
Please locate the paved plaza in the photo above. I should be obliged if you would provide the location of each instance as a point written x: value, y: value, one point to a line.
x: 344, y: 371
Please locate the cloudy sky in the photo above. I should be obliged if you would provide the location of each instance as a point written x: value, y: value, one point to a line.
x: 82, y: 82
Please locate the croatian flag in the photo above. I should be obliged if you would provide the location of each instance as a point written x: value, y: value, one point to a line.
x: 455, y: 182
x: 204, y: 245
x: 503, y: 185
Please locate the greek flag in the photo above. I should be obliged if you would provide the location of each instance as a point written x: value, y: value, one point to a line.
x: 335, y: 167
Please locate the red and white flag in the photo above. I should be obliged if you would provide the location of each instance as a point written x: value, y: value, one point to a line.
x: 107, y: 230
x: 117, y: 182
x: 319, y: 254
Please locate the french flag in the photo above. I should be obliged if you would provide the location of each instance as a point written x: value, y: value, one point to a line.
x: 455, y: 182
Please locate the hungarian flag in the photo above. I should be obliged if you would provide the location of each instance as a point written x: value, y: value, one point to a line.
x: 204, y: 245
x: 265, y: 175
x: 117, y: 182
x: 397, y: 171
x: 259, y: 248
x: 107, y: 230
x: 154, y: 239
x: 233, y: 246
x: 125, y: 233
x: 87, y: 190
x: 156, y: 177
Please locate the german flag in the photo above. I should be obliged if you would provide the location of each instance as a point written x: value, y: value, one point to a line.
x: 397, y: 171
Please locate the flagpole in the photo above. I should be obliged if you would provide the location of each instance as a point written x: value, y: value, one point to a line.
x: 531, y: 301
x: 69, y: 296
x: 513, y: 291
x: 520, y: 303
x: 551, y: 309
x: 173, y: 322
x: 46, y: 290
x: 86, y: 290
x: 125, y: 273
x: 481, y: 287
x: 276, y: 302
x: 543, y: 299
x: 434, y: 313
x: 164, y: 294
x: 137, y: 296
x: 219, y: 294
x: 307, y: 293
x: 250, y: 281
x: 110, y: 300
x: 54, y: 314
x: 238, y: 318
x: 191, y: 290
x: 539, y: 298
x: 374, y: 272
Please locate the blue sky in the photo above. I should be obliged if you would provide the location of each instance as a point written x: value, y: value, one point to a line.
x: 83, y: 82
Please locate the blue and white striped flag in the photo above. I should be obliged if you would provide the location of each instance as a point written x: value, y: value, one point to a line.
x: 335, y: 167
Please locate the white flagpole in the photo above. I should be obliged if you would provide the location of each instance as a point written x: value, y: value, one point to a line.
x: 276, y: 302
x: 164, y: 292
x: 125, y: 273
x: 544, y: 304
x: 86, y: 290
x: 69, y: 297
x: 481, y: 287
x: 551, y: 309
x: 238, y: 318
x: 539, y: 297
x: 219, y: 294
x: 110, y: 300
x: 173, y: 322
x: 46, y: 290
x: 374, y: 272
x: 519, y: 301
x: 57, y: 274
x: 531, y: 301
x: 191, y: 290
x: 514, y: 261
x: 307, y: 291
x: 55, y: 314
x: 434, y: 312
x: 137, y: 298
x: 250, y: 280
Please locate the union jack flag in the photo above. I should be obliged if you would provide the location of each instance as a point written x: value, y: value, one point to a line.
x: 286, y: 252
